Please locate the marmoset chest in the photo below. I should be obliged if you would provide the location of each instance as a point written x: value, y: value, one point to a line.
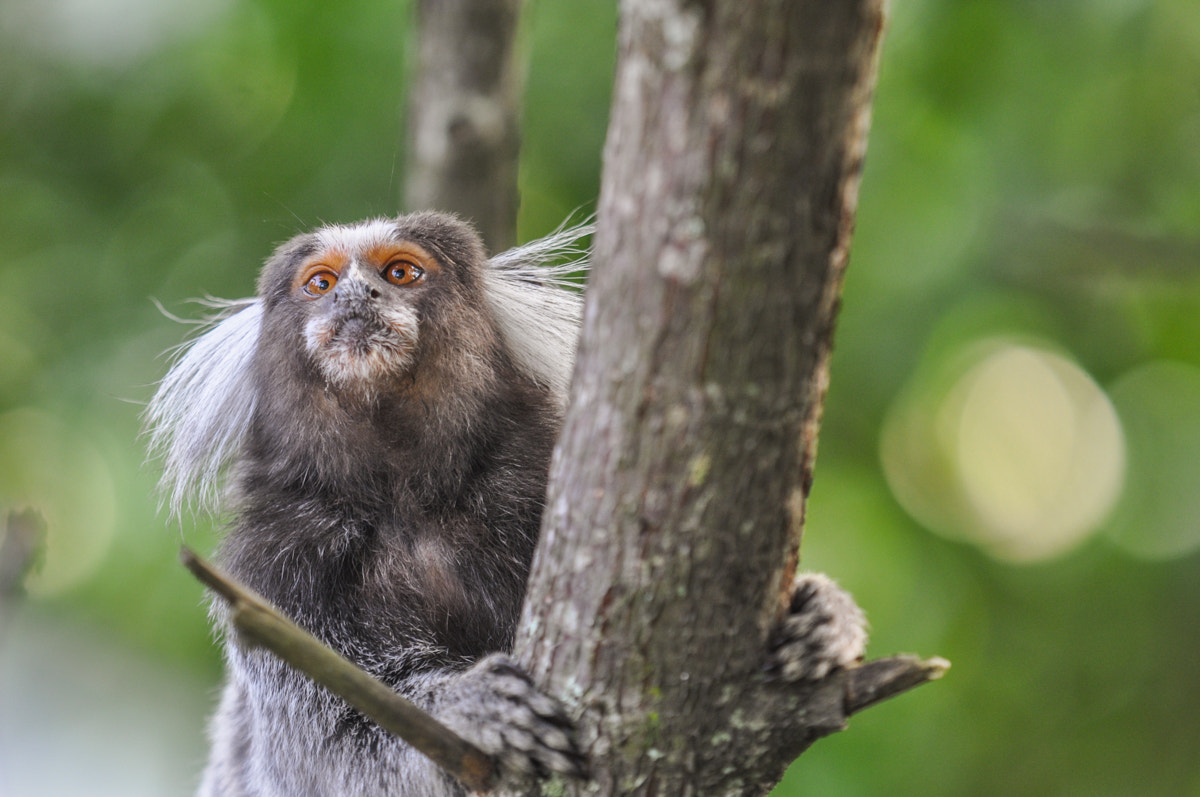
x: 390, y: 572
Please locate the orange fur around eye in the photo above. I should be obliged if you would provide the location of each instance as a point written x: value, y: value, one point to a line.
x: 406, y: 264
x: 319, y: 274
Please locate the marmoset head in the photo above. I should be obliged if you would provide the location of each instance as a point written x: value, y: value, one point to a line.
x: 405, y: 309
x: 361, y: 307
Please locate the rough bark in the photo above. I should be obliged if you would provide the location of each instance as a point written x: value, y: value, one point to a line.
x: 677, y: 495
x: 463, y: 115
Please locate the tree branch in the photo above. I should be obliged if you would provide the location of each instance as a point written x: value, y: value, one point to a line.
x: 260, y: 624
x: 878, y: 680
x: 463, y: 115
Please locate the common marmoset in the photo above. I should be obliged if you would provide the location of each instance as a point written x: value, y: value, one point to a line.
x: 386, y: 408
x: 383, y: 415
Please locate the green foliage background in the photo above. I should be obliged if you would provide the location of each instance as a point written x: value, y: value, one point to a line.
x: 1033, y: 176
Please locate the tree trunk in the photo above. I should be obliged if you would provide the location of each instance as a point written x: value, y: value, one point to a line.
x: 463, y: 115
x: 677, y: 495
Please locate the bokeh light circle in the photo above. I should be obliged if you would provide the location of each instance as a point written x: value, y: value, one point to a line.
x: 1009, y: 446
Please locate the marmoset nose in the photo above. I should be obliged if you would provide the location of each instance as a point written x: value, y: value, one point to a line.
x: 353, y: 289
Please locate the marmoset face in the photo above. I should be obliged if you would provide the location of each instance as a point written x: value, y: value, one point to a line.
x: 362, y: 324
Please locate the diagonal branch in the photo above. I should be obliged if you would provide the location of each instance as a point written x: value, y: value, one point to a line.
x: 261, y: 624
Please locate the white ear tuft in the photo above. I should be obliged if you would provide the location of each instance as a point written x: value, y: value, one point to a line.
x: 539, y: 310
x: 199, y: 416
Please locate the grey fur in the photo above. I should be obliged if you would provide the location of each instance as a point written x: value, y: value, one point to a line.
x: 823, y: 631
x: 538, y: 311
x: 493, y: 704
x: 200, y: 413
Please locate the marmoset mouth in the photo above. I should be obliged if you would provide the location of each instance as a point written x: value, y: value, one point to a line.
x: 358, y: 333
x: 361, y: 346
x: 355, y: 327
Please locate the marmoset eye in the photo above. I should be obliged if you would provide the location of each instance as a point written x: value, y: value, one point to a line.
x: 320, y: 283
x: 402, y: 272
